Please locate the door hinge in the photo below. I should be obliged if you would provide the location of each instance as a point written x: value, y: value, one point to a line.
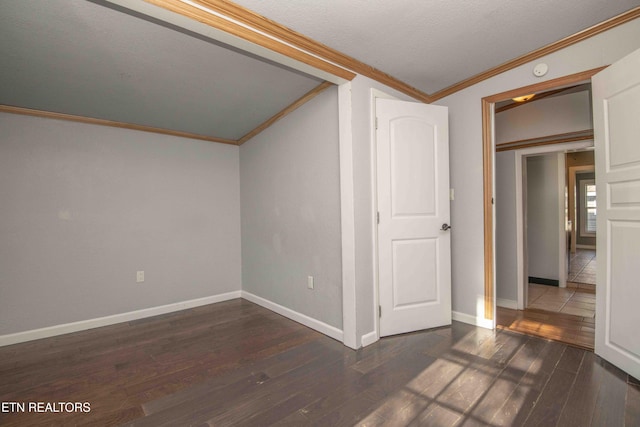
x: 378, y: 217
x: 492, y: 202
x: 376, y: 123
x: 379, y: 311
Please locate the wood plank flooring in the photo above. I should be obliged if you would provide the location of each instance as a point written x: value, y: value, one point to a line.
x: 238, y: 364
x: 566, y: 328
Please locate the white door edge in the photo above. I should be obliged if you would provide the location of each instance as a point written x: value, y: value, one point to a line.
x: 375, y: 94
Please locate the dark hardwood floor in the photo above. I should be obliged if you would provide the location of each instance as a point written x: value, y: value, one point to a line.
x: 237, y: 364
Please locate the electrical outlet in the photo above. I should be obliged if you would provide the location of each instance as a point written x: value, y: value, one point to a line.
x: 139, y: 276
x: 310, y: 282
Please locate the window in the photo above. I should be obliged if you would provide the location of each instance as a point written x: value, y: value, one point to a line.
x: 587, y: 209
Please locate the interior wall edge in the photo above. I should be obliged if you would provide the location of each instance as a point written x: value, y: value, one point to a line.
x: 507, y: 303
x: 315, y: 324
x: 370, y: 338
x: 479, y: 321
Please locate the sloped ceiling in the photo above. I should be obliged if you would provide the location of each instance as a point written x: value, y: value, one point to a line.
x: 92, y: 58
x: 82, y: 58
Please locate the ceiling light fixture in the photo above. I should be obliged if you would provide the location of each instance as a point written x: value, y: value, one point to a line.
x: 523, y: 98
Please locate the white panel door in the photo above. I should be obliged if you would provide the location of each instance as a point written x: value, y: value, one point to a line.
x: 414, y: 261
x: 616, y: 122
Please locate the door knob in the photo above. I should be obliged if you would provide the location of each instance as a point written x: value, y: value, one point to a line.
x: 445, y: 227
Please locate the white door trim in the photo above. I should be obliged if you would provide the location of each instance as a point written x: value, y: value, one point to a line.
x: 521, y: 259
x: 347, y: 218
x: 563, y: 261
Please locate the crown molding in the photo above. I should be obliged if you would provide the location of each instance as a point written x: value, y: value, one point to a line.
x: 539, y: 53
x: 102, y: 122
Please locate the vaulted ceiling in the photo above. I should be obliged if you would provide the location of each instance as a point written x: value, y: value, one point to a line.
x: 83, y: 58
x: 106, y: 60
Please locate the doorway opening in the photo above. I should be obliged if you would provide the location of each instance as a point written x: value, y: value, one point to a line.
x: 517, y: 315
x: 565, y: 309
x: 548, y: 303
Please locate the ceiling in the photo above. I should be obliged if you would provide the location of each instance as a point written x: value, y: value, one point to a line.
x: 92, y: 58
x: 83, y: 58
x: 433, y: 44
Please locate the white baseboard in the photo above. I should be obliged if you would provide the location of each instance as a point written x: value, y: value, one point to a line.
x: 368, y: 339
x: 312, y: 323
x: 507, y: 303
x: 472, y: 320
x: 82, y: 325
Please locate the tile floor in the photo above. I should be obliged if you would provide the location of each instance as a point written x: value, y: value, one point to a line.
x: 575, y: 301
x: 582, y: 267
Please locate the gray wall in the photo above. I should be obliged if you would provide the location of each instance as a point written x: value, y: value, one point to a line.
x: 83, y: 207
x: 506, y: 262
x: 543, y: 228
x: 290, y: 203
x: 548, y: 116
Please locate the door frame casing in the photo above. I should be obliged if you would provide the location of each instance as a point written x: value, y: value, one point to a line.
x: 375, y: 94
x: 488, y: 161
